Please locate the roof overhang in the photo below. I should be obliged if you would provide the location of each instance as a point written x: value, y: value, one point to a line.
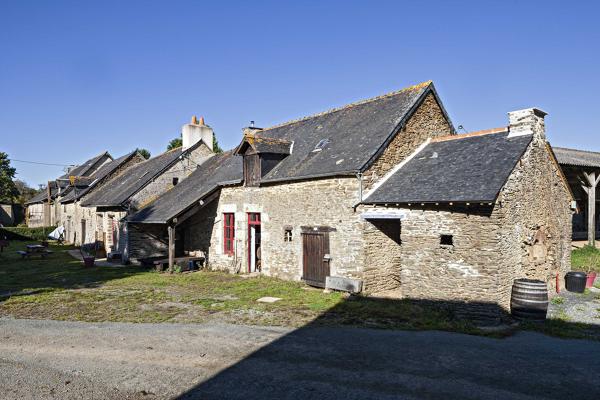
x: 383, y: 214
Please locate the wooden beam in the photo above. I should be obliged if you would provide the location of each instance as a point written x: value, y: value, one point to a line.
x: 171, y: 230
x: 590, y: 189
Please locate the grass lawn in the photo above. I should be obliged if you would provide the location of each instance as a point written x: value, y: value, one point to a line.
x: 61, y: 288
x: 585, y: 259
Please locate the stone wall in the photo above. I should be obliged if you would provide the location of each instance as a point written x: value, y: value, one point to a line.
x: 536, y: 216
x: 324, y: 202
x: 383, y: 257
x: 526, y: 234
x: 151, y: 241
x: 430, y: 270
x: 35, y: 215
x: 428, y: 121
x: 164, y: 182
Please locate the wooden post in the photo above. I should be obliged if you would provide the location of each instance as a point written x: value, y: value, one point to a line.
x: 171, y: 229
x: 590, y: 189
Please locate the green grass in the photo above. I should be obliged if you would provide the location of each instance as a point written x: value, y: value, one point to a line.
x: 61, y: 288
x: 585, y: 259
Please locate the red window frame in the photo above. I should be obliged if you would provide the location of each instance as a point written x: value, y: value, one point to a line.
x: 228, y: 233
x: 253, y: 219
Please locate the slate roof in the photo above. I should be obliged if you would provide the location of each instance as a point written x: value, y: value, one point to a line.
x: 350, y: 136
x: 578, y: 158
x: 63, y: 180
x: 218, y: 170
x: 85, y: 168
x: 264, y: 144
x: 120, y: 188
x: 464, y: 169
x: 98, y: 176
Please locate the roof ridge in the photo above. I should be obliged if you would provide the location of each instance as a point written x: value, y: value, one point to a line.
x: 470, y: 134
x: 581, y: 151
x: 353, y: 104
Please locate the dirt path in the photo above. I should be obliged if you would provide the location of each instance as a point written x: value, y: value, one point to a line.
x: 75, y: 360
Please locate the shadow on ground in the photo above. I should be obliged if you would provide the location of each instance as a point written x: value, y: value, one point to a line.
x: 59, y: 270
x: 322, y: 361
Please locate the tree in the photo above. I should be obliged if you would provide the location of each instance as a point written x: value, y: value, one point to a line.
x: 175, y: 143
x: 8, y: 190
x: 145, y: 153
x: 26, y: 192
x: 216, y: 148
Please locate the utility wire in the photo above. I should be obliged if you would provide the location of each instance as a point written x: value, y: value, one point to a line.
x: 41, y: 163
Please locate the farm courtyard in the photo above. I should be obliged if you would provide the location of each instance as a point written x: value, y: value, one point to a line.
x: 72, y: 332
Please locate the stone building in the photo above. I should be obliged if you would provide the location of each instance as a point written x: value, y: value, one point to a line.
x: 465, y: 215
x: 43, y: 209
x: 140, y: 184
x: 82, y: 224
x: 381, y: 193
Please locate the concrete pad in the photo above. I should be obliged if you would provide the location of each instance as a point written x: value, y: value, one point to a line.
x: 268, y: 299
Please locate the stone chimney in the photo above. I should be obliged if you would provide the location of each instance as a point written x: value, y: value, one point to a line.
x: 529, y: 121
x: 249, y: 130
x: 195, y: 131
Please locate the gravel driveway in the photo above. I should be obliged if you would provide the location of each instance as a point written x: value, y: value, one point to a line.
x: 73, y: 360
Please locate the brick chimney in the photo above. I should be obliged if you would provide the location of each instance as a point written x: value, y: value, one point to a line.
x: 195, y: 131
x: 529, y: 121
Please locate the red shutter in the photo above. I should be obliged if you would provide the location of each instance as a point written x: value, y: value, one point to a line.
x: 228, y: 233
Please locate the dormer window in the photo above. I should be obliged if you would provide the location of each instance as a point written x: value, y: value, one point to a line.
x: 261, y: 154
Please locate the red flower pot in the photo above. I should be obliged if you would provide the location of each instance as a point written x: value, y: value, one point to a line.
x: 591, y: 277
x: 88, y: 261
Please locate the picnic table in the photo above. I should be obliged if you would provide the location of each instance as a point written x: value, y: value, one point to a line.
x: 34, y: 250
x: 160, y: 263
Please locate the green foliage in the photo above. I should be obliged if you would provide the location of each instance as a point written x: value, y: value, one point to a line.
x: 558, y: 300
x: 25, y: 233
x: 25, y: 191
x: 175, y: 143
x: 145, y: 153
x: 8, y: 190
x: 586, y: 259
x: 216, y: 148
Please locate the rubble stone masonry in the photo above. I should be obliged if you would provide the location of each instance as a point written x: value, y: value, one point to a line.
x: 428, y: 121
x: 324, y: 202
x: 525, y: 234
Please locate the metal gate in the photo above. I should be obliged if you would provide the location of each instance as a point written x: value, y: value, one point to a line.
x: 315, y: 258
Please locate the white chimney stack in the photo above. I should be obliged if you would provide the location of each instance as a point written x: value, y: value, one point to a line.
x: 529, y: 121
x: 195, y: 131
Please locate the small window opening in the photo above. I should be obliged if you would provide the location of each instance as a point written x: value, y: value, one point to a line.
x: 175, y: 181
x: 447, y: 240
x: 287, y: 235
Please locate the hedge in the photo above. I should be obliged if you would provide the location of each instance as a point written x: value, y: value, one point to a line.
x: 25, y: 233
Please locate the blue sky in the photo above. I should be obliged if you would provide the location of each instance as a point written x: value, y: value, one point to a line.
x: 77, y: 78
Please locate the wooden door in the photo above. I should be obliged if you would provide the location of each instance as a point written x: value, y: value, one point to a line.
x: 315, y: 258
x: 83, y: 231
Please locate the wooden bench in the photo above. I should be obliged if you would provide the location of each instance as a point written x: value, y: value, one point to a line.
x: 43, y: 254
x: 161, y: 263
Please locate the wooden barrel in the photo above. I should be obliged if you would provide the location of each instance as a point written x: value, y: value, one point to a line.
x: 529, y: 299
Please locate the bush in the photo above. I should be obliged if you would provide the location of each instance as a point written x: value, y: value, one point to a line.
x: 25, y: 233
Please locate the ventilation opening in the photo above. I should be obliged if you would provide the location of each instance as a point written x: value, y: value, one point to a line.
x: 447, y: 240
x: 287, y: 234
